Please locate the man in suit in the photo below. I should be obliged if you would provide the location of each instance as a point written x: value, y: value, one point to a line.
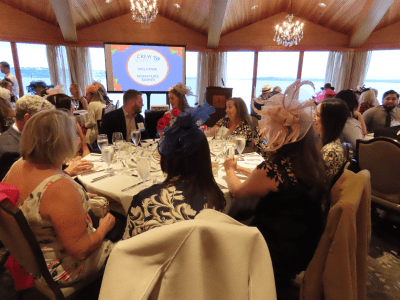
x: 25, y: 107
x: 125, y: 119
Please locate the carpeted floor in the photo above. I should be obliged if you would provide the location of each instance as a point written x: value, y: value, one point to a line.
x: 383, y: 266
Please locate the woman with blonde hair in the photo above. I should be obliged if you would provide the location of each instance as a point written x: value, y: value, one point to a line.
x: 95, y: 111
x: 75, y: 91
x: 55, y: 206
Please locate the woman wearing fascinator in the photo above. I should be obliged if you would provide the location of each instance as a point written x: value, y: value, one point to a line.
x: 292, y: 184
x: 189, y: 187
x: 177, y: 99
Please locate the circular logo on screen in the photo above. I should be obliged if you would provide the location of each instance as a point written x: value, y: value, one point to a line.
x: 147, y: 67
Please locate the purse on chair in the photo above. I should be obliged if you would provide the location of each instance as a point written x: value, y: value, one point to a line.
x: 99, y: 206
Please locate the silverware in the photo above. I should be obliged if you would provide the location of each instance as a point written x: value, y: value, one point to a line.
x: 102, y: 177
x: 130, y: 187
x: 93, y: 172
x: 123, y: 163
x: 99, y: 154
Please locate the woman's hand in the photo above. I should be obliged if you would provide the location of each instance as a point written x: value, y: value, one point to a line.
x: 357, y: 114
x: 91, y: 195
x: 77, y: 167
x: 107, y: 223
x: 230, y: 164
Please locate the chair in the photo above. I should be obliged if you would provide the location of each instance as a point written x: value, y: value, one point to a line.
x: 117, y: 104
x: 380, y: 156
x: 17, y: 236
x: 338, y: 269
x: 210, y: 257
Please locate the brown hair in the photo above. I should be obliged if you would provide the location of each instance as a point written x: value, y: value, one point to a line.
x: 183, y: 104
x: 241, y: 108
x: 130, y: 94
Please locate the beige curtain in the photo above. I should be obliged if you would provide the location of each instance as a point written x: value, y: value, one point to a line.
x: 80, y: 66
x: 211, y: 68
x: 57, y: 67
x: 347, y: 70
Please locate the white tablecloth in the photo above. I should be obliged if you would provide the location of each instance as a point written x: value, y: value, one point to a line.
x: 111, y: 187
x: 81, y: 116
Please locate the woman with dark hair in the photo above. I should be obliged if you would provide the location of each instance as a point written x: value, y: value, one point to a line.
x: 331, y: 116
x: 292, y: 186
x: 38, y: 87
x: 354, y: 128
x: 189, y: 187
x: 237, y: 119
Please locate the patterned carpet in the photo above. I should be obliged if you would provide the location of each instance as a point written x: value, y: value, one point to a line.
x: 383, y: 266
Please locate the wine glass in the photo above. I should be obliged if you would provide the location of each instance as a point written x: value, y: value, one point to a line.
x: 135, y: 136
x: 143, y: 167
x: 240, y: 142
x: 217, y: 147
x: 75, y: 104
x: 102, y: 140
x: 108, y: 154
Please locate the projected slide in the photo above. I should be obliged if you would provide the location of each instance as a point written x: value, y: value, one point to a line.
x: 144, y: 67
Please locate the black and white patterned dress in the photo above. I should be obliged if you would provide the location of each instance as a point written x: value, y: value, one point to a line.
x: 242, y: 129
x: 162, y: 204
x: 333, y: 157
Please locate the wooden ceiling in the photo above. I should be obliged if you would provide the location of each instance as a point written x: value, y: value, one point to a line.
x: 216, y: 18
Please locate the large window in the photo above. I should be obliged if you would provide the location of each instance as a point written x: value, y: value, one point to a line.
x: 276, y: 69
x: 240, y: 74
x: 33, y: 63
x: 383, y: 72
x: 314, y: 67
x: 191, y: 75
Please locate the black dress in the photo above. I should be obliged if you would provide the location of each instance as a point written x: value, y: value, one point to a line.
x: 291, y: 221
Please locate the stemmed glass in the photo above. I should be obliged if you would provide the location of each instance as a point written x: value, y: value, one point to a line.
x: 143, y: 167
x: 240, y: 142
x: 217, y: 147
x: 135, y: 136
x: 75, y: 104
x: 108, y: 154
x: 102, y: 140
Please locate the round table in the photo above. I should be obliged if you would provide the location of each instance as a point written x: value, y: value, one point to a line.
x: 81, y: 116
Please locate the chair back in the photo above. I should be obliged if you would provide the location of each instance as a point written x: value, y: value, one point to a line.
x: 344, y: 243
x: 380, y: 156
x: 19, y: 239
x: 117, y: 104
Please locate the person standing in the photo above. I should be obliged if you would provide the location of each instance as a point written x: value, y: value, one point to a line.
x: 5, y: 69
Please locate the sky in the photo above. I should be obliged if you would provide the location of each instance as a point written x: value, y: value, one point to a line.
x: 385, y: 64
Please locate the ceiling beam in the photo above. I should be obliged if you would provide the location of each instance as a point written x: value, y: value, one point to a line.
x: 372, y: 13
x: 218, y: 8
x: 64, y: 18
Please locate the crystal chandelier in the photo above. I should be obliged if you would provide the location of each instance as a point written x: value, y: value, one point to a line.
x: 289, y: 33
x: 144, y: 11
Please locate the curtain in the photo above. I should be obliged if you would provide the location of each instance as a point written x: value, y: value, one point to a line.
x: 211, y: 72
x: 80, y: 66
x: 347, y: 70
x: 58, y: 69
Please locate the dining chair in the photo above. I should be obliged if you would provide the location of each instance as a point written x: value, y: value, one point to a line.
x: 380, y: 156
x: 210, y: 257
x: 18, y: 238
x: 338, y: 269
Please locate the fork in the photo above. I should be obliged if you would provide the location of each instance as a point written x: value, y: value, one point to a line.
x: 102, y: 177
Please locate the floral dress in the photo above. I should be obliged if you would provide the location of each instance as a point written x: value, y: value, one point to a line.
x: 364, y: 107
x: 62, y: 267
x: 242, y: 129
x: 333, y: 157
x: 162, y: 204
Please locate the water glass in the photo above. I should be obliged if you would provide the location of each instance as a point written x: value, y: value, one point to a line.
x: 217, y: 147
x: 116, y: 137
x: 143, y: 167
x: 135, y: 136
x: 240, y: 142
x: 108, y: 154
x: 102, y: 140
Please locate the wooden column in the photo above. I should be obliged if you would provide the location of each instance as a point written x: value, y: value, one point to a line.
x: 253, y: 89
x: 300, y: 67
x: 17, y: 68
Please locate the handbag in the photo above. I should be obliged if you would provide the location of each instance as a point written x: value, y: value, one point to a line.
x: 99, y: 206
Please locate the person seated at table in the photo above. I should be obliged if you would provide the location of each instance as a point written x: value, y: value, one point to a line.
x: 95, y: 112
x: 354, y: 128
x: 331, y: 116
x: 292, y: 186
x: 75, y: 91
x: 63, y: 101
x: 189, y: 187
x: 7, y: 113
x: 383, y: 115
x: 125, y: 119
x: 265, y: 94
x: 38, y: 87
x: 8, y: 84
x: 177, y: 99
x: 237, y: 120
x: 367, y: 101
x: 55, y: 206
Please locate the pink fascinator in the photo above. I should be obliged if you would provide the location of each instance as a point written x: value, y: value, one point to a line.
x: 58, y: 89
x: 284, y: 119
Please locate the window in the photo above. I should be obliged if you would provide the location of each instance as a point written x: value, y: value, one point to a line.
x: 383, y: 72
x: 33, y: 63
x: 276, y: 69
x: 314, y: 68
x: 240, y: 74
x: 191, y: 75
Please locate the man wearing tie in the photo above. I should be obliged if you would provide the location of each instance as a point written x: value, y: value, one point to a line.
x: 125, y: 119
x: 383, y: 115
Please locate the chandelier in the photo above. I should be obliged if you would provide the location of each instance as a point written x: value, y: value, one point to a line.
x: 289, y: 33
x: 144, y: 11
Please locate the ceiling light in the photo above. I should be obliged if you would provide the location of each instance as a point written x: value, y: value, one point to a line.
x: 321, y: 4
x: 289, y: 33
x: 144, y: 11
x: 254, y: 7
x: 177, y: 5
